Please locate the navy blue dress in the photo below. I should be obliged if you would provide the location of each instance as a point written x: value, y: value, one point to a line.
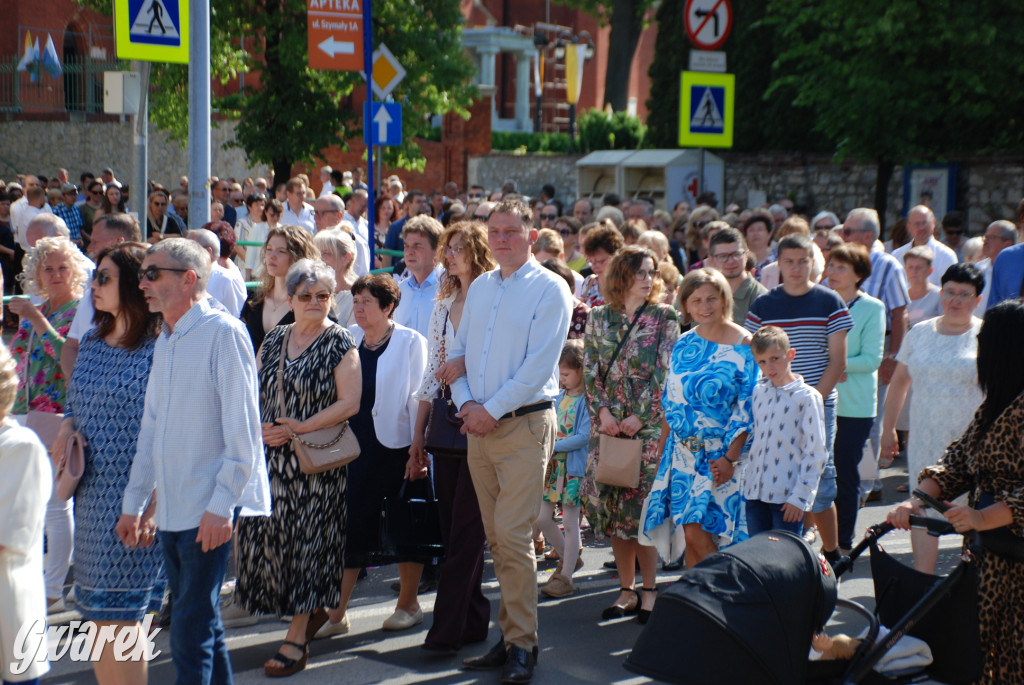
x: 106, y: 398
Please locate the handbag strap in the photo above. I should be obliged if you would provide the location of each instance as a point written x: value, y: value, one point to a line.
x: 430, y: 488
x: 280, y: 369
x: 615, y: 355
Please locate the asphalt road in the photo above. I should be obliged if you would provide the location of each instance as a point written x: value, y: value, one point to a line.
x: 576, y: 647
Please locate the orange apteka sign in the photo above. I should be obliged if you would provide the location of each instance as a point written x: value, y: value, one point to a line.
x: 335, y: 34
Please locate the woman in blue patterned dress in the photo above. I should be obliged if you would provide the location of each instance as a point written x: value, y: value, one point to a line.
x: 114, y: 585
x: 696, y: 493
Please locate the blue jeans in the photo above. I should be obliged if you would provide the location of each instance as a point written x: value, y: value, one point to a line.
x: 827, y: 484
x: 762, y: 516
x: 198, y: 650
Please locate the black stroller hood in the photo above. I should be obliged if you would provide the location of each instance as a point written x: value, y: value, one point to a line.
x: 743, y: 615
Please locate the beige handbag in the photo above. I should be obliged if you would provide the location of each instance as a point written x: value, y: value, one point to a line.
x: 618, y: 462
x: 72, y: 467
x: 320, y: 450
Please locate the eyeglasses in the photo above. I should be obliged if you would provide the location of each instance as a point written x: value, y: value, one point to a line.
x: 95, y: 192
x: 475, y: 196
x: 158, y: 204
x: 454, y: 251
x: 102, y: 278
x: 565, y: 232
x: 548, y: 217
x: 850, y: 231
x: 728, y: 256
x: 642, y: 275
x: 823, y: 228
x: 321, y: 298
x: 961, y: 297
x: 152, y: 273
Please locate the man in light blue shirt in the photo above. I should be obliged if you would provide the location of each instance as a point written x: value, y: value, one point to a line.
x: 420, y: 236
x: 199, y: 452
x: 513, y: 328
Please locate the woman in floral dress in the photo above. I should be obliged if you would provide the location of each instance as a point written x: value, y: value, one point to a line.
x: 696, y: 494
x: 624, y: 396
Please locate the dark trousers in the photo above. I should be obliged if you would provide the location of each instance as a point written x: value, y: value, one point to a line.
x: 461, y: 612
x: 198, y: 650
x: 851, y: 434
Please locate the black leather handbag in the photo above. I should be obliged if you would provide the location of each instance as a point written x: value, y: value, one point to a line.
x: 410, y: 526
x: 444, y: 437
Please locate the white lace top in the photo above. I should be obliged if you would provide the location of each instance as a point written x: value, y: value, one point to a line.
x: 430, y: 385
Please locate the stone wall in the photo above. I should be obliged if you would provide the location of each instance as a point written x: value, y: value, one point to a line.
x: 45, y: 146
x: 529, y: 171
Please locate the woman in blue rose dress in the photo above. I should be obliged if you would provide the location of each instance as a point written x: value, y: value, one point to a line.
x: 696, y: 493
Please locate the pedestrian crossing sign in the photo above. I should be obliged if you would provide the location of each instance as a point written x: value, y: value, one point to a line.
x: 152, y: 30
x: 706, y: 106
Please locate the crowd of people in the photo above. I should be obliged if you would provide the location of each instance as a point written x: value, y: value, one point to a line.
x: 677, y: 381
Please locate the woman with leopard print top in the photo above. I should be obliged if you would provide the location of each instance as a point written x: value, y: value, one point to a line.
x: 987, y: 463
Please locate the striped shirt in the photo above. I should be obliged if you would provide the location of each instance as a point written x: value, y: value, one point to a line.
x: 808, y: 320
x: 888, y: 283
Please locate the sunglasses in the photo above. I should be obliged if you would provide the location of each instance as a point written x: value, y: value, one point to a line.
x: 321, y: 298
x: 548, y: 217
x: 565, y: 232
x: 152, y: 273
x: 102, y: 278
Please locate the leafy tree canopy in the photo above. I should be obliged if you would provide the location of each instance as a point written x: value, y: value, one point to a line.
x: 296, y: 112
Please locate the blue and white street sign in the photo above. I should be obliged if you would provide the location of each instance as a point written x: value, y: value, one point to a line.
x: 384, y: 122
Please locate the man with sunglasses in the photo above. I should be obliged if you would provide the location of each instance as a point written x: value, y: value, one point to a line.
x: 199, y: 451
x: 93, y: 201
x: 159, y: 222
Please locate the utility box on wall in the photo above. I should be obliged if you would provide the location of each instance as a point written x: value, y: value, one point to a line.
x: 121, y: 90
x: 667, y: 176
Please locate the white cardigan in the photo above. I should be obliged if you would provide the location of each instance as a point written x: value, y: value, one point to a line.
x: 399, y: 371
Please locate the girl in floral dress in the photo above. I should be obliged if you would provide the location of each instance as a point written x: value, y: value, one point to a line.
x: 696, y: 494
x: 624, y: 396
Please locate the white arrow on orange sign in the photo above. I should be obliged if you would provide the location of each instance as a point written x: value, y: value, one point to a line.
x: 333, y: 47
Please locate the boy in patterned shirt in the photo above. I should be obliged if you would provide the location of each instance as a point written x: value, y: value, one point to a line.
x: 788, y: 452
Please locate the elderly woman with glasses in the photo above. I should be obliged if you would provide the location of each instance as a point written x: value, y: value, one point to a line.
x: 939, y: 358
x: 288, y: 562
x: 627, y: 346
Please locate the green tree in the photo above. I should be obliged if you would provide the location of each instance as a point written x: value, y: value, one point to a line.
x: 900, y: 81
x: 627, y: 21
x: 296, y: 112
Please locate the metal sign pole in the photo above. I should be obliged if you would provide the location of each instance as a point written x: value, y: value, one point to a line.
x: 140, y: 137
x: 368, y: 131
x: 199, y: 114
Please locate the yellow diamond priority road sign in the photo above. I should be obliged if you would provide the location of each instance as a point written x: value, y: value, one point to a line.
x: 387, y: 72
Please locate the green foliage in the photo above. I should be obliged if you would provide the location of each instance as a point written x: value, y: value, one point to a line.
x: 295, y: 112
x: 669, y: 60
x: 601, y: 131
x: 898, y: 81
x: 515, y: 141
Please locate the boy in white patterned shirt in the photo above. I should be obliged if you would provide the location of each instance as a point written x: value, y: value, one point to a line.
x: 788, y: 452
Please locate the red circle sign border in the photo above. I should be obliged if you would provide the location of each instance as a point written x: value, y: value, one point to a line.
x: 691, y: 34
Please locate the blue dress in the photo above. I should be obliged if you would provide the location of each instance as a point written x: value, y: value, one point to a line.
x: 707, y: 404
x: 108, y: 390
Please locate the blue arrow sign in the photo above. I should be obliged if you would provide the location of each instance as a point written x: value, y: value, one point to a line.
x: 384, y: 122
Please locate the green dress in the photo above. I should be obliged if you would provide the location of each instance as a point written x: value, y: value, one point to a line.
x: 633, y: 386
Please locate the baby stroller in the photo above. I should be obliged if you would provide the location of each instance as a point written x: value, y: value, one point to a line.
x: 747, y: 615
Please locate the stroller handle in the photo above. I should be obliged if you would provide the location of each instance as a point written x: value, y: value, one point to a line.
x: 935, y: 527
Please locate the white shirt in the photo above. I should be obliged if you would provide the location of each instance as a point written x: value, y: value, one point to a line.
x: 304, y: 218
x: 788, y: 451
x: 327, y: 189
x: 200, y: 444
x: 361, y: 232
x: 985, y: 267
x: 943, y: 259
x: 417, y: 301
x: 228, y: 286
x: 399, y: 370
x: 512, y: 333
x: 21, y: 216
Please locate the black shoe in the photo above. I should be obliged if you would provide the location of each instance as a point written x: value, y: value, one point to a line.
x: 676, y: 565
x: 519, y: 665
x: 644, y: 615
x: 615, y: 611
x: 495, y: 658
x: 611, y: 566
x: 163, y: 619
